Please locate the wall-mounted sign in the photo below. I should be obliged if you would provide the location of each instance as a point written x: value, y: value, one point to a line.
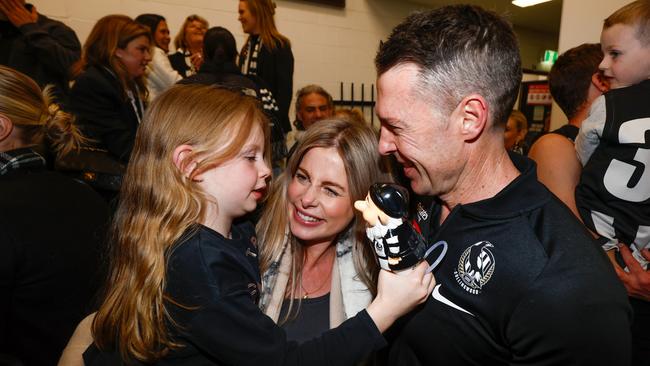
x: 550, y: 56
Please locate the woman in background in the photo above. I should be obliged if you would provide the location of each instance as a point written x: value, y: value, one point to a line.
x: 160, y: 74
x: 267, y: 53
x: 189, y: 46
x: 318, y: 268
x: 220, y: 68
x: 514, y: 136
x: 109, y: 93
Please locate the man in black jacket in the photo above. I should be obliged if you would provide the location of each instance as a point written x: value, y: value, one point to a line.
x: 40, y: 47
x: 522, y: 281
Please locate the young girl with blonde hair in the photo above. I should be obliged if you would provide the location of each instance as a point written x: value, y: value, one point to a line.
x: 184, y: 280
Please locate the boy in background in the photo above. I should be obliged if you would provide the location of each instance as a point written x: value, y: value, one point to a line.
x: 613, y: 145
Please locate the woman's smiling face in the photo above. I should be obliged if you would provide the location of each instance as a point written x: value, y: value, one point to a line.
x: 319, y: 205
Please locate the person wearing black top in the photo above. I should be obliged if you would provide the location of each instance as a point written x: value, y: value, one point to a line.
x: 109, y: 93
x: 51, y: 228
x: 184, y: 281
x: 42, y: 48
x: 219, y: 68
x: 522, y: 281
x: 188, y: 57
x: 267, y: 53
x: 575, y: 82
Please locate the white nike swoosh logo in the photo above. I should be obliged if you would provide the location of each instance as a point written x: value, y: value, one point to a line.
x: 438, y: 296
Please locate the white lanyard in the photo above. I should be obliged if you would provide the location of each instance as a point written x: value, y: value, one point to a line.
x: 129, y: 94
x: 132, y: 98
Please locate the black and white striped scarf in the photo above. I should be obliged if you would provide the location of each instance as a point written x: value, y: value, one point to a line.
x: 250, y: 55
x: 19, y: 158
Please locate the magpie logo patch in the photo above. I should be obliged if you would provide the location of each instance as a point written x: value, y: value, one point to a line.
x: 475, y: 267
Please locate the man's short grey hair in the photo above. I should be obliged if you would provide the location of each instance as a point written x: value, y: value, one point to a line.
x: 310, y: 89
x: 459, y: 50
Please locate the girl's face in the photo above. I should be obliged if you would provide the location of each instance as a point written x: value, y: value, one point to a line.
x: 247, y: 19
x: 319, y: 205
x: 194, y: 33
x: 237, y: 185
x: 135, y: 56
x: 161, y: 36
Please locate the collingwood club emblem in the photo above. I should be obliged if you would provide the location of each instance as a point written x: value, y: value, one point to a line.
x: 475, y: 267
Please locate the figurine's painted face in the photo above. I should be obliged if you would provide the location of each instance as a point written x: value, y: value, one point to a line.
x: 387, y: 247
x: 320, y: 207
x: 370, y: 211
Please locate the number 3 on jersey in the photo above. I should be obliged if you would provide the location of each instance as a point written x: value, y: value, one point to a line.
x: 619, y: 173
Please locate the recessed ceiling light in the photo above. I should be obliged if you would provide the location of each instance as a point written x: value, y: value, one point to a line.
x: 525, y: 3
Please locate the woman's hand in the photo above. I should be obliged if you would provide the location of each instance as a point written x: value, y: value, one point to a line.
x: 197, y: 60
x: 16, y: 12
x: 397, y: 294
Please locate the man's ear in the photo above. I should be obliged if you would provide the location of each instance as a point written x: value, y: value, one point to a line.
x: 600, y: 82
x: 182, y: 160
x: 473, y: 110
x: 119, y: 53
x: 6, y: 126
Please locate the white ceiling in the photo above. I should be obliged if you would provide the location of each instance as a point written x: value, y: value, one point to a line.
x: 543, y: 17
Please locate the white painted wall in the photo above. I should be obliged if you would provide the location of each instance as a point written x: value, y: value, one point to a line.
x: 330, y: 45
x: 582, y: 21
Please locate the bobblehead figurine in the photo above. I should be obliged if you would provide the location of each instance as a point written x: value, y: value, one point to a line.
x: 397, y: 244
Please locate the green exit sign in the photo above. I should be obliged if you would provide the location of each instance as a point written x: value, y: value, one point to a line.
x: 550, y: 56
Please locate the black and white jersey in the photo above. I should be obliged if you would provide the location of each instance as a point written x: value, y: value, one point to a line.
x: 522, y: 283
x: 613, y: 195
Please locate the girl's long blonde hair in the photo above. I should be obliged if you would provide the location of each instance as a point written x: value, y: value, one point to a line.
x: 159, y: 204
x: 263, y: 11
x: 110, y: 33
x: 356, y: 144
x: 35, y: 115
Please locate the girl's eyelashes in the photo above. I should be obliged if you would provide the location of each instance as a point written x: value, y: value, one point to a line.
x: 251, y: 154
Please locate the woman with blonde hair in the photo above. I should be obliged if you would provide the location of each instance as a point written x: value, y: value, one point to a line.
x: 318, y: 268
x: 514, y: 136
x: 50, y: 226
x: 188, y: 58
x: 184, y: 281
x: 109, y: 90
x: 267, y: 53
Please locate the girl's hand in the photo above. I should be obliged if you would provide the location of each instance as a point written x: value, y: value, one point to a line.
x: 397, y: 294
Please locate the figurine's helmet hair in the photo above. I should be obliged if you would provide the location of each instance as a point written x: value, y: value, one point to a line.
x: 390, y: 198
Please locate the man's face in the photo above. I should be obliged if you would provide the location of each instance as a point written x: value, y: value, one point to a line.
x: 313, y: 108
x: 428, y: 146
x: 627, y: 60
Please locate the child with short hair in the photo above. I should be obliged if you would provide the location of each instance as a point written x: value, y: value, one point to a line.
x: 613, y: 145
x: 184, y: 281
